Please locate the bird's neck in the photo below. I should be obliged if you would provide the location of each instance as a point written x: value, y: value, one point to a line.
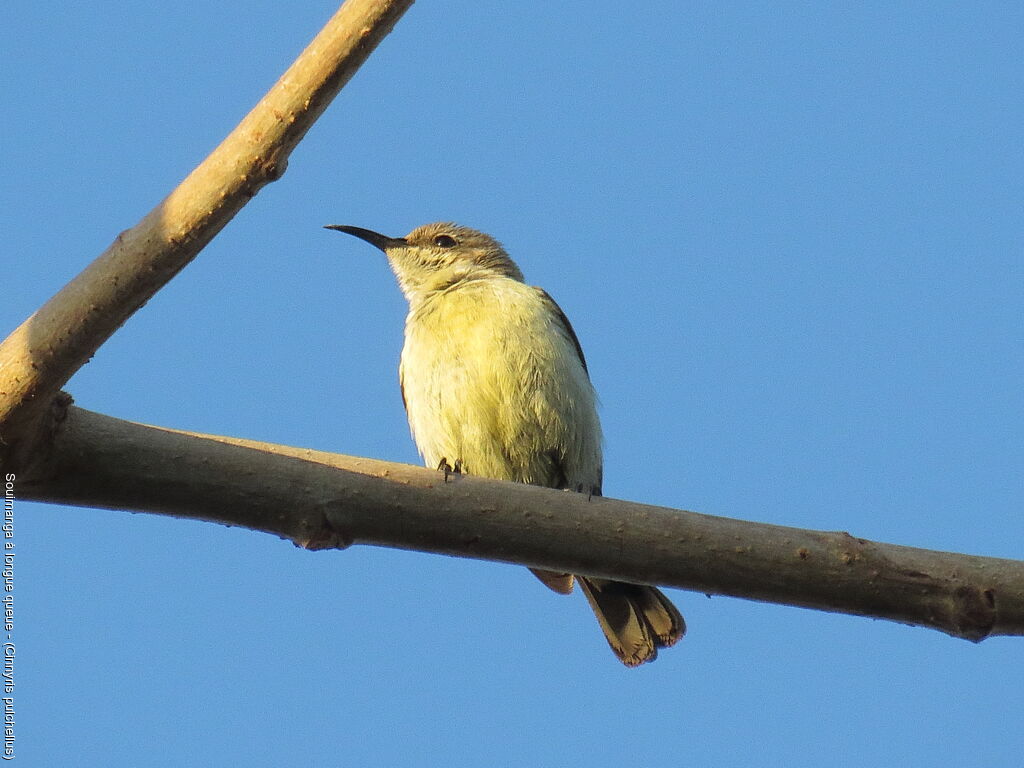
x: 437, y: 283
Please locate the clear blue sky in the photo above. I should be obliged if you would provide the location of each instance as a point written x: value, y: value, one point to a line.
x: 789, y: 236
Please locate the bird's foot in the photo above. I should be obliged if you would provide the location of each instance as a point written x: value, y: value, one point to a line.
x: 448, y: 469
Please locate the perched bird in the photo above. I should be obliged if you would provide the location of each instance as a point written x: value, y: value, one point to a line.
x: 495, y: 384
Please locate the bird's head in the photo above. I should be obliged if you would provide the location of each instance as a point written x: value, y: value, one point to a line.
x: 437, y: 256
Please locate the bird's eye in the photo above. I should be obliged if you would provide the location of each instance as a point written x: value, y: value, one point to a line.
x: 444, y: 241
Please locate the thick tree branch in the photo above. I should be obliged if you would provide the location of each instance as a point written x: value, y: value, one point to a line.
x: 324, y: 500
x: 38, y: 358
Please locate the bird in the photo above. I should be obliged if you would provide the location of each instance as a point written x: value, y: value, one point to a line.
x: 495, y: 384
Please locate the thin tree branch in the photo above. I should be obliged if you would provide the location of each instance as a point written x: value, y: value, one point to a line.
x: 322, y: 500
x: 39, y: 357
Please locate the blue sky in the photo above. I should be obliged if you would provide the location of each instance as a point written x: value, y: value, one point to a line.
x: 789, y: 238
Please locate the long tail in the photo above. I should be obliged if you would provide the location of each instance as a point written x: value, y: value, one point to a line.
x: 637, y: 620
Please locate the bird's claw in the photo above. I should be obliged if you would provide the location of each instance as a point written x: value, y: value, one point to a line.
x: 448, y: 469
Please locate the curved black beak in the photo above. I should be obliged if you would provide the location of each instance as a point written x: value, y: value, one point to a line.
x: 375, y: 239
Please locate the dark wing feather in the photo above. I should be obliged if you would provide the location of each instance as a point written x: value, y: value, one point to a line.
x: 401, y: 388
x: 566, y: 325
x: 570, y: 334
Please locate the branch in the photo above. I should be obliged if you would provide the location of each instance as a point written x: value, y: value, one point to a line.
x: 38, y: 358
x: 322, y: 500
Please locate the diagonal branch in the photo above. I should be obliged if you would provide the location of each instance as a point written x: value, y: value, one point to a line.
x: 39, y: 357
x: 322, y: 500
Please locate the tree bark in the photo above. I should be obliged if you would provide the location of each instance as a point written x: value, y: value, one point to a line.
x: 321, y: 500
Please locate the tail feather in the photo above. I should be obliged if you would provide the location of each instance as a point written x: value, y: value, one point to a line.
x: 557, y: 582
x: 636, y: 619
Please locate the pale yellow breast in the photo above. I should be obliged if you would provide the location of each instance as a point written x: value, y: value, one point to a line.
x: 490, y: 378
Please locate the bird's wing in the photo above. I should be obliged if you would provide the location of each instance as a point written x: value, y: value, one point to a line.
x: 401, y: 387
x: 570, y: 334
x: 566, y: 325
